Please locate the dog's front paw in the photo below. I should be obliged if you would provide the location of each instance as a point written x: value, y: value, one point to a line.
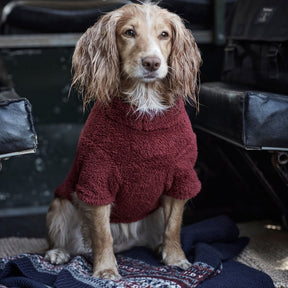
x: 109, y: 274
x: 57, y: 256
x: 174, y: 257
x: 183, y: 264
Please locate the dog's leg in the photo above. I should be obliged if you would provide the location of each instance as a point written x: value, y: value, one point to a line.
x: 105, y: 265
x: 172, y: 253
x: 64, y: 231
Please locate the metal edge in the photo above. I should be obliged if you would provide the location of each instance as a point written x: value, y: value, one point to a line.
x: 18, y: 153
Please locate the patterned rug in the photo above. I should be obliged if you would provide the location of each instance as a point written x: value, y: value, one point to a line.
x: 267, y: 250
x: 16, y: 246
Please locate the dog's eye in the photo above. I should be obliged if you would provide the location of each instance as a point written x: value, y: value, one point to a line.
x: 130, y: 33
x: 164, y: 35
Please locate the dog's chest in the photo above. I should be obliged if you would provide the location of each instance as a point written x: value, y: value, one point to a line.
x: 144, y: 150
x: 134, y: 164
x: 145, y: 163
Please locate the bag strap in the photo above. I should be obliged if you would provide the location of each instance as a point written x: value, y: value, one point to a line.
x: 230, y: 52
x: 272, y: 57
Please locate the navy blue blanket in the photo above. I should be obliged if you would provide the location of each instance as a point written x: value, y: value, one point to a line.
x: 210, y: 245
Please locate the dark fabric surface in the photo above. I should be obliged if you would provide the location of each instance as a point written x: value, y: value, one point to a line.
x: 210, y: 245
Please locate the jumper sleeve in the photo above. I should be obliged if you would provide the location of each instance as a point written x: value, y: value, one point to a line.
x: 97, y: 182
x: 185, y: 183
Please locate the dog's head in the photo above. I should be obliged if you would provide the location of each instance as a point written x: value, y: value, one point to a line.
x: 137, y: 46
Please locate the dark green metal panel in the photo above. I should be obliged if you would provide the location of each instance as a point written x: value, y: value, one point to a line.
x: 43, y: 76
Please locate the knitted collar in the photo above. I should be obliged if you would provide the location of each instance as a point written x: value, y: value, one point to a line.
x: 125, y: 114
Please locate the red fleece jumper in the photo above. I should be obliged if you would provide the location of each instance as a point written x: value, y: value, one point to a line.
x: 131, y: 161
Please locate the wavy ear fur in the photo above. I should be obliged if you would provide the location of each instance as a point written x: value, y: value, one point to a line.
x: 96, y: 61
x: 185, y: 61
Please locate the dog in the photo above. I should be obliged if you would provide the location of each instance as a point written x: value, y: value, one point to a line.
x: 134, y: 166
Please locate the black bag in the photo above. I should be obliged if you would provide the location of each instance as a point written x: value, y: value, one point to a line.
x: 257, y: 49
x: 17, y: 132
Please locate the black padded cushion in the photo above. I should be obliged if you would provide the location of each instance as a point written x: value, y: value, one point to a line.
x: 247, y: 118
x: 17, y: 132
x: 55, y: 16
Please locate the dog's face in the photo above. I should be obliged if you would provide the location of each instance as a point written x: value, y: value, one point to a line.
x: 144, y: 42
x: 140, y: 52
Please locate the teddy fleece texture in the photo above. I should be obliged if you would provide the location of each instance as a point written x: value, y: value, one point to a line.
x: 131, y: 160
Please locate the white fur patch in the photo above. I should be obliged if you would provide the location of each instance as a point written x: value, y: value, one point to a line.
x: 154, y: 49
x: 145, y: 99
x: 146, y: 232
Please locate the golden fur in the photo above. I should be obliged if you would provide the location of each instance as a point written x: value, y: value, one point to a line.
x: 145, y: 55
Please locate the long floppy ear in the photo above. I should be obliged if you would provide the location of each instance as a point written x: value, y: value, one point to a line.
x: 95, y: 61
x: 185, y: 61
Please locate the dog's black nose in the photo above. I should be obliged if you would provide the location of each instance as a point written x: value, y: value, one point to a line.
x: 151, y: 63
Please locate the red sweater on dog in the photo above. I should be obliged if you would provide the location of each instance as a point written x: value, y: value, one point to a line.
x: 129, y: 160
